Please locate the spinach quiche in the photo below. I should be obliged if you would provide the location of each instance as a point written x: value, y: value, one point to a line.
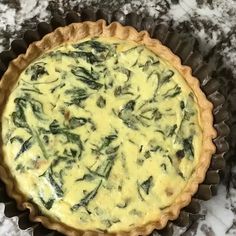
x: 103, y: 131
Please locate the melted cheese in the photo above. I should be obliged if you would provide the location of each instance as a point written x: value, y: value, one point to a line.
x: 102, y: 134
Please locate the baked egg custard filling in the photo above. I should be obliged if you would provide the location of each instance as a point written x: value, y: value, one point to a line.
x: 102, y: 134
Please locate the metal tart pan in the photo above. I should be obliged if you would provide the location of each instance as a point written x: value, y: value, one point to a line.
x: 185, y: 49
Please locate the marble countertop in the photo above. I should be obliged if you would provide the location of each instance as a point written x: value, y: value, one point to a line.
x: 212, y: 23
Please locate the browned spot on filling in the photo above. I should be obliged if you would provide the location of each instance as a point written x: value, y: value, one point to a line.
x: 169, y: 191
x: 67, y: 115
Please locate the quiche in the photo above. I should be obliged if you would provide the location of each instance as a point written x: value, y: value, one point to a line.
x: 103, y: 131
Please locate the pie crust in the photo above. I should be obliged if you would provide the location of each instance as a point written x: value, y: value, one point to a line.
x: 73, y: 33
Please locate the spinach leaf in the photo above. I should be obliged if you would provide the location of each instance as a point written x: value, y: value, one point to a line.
x: 122, y: 90
x: 55, y: 129
x: 75, y: 138
x: 82, y: 72
x: 150, y: 62
x: 88, y: 78
x: 37, y: 70
x: 165, y: 77
x: 163, y: 166
x: 130, y: 105
x: 188, y: 147
x: 139, y: 192
x: 57, y: 86
x: 37, y: 108
x: 181, y: 174
x: 87, y: 56
x: 40, y: 143
x: 25, y: 146
x: 58, y: 189
x: 16, y: 138
x: 75, y: 122
x: 47, y: 204
x: 101, y: 102
x: 147, y: 184
x: 172, y: 130
x: 18, y: 116
x: 96, y: 45
x: 182, y: 105
x: 105, y: 143
x: 86, y: 177
x: 173, y: 92
x: 105, y: 168
x: 87, y: 198
x: 151, y: 114
x: 124, y: 71
x: 77, y: 96
x: 34, y: 90
x: 20, y: 168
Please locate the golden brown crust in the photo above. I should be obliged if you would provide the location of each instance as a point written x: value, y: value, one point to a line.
x: 74, y: 33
